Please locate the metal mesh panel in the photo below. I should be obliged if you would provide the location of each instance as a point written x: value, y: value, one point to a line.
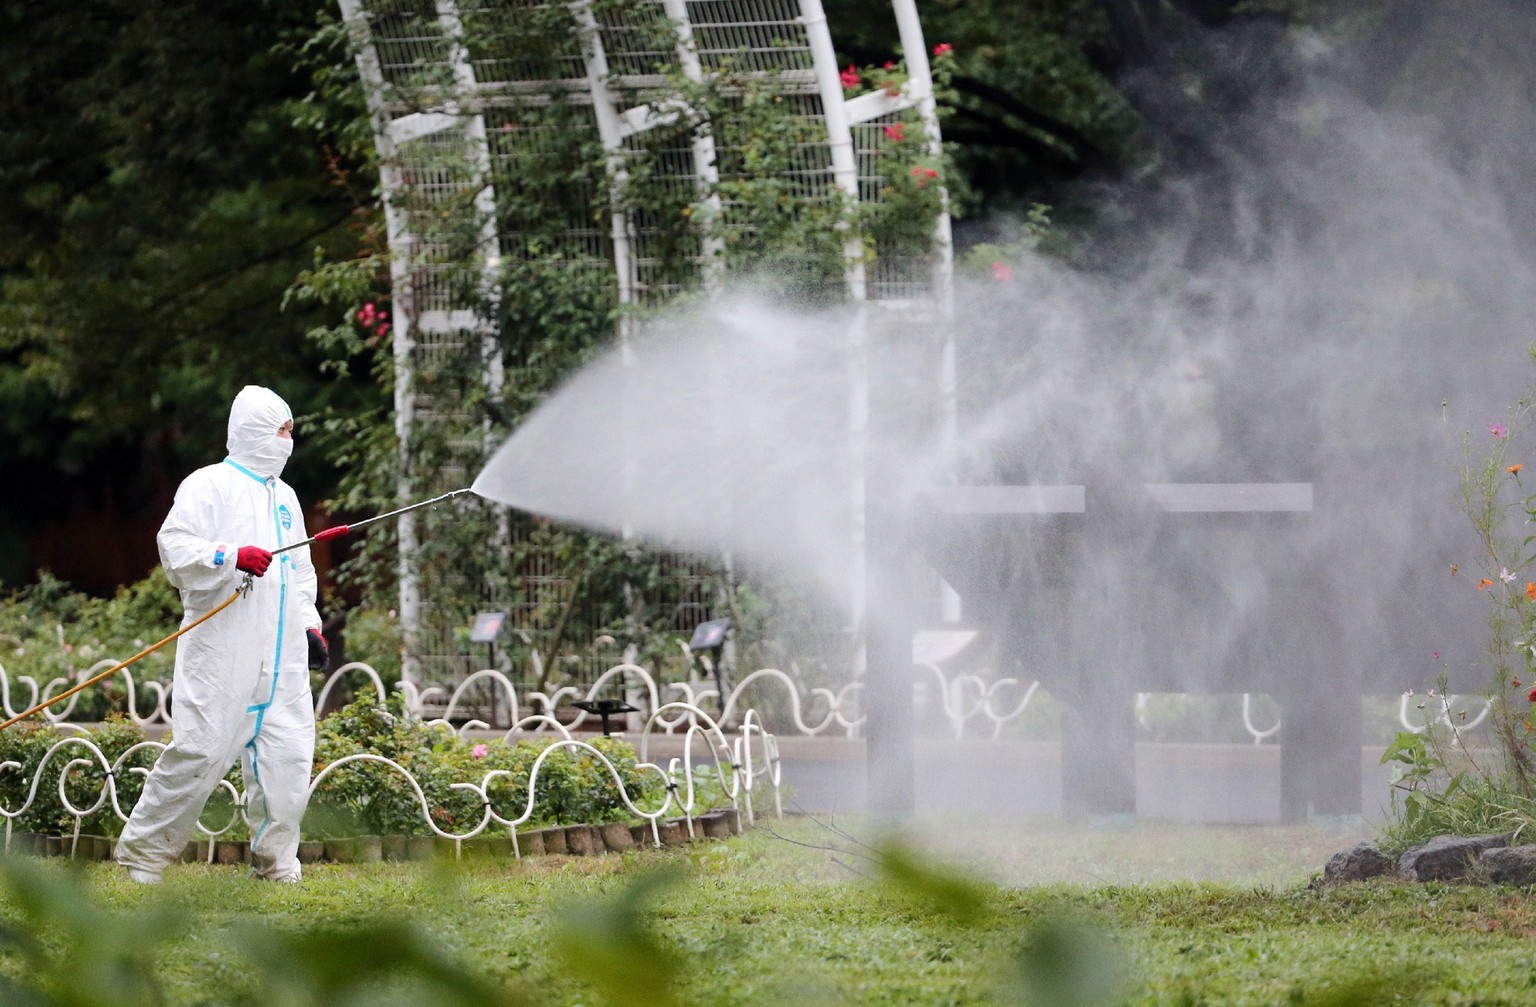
x: 639, y: 40
x: 410, y: 42
x: 752, y: 35
x: 807, y: 186
x: 497, y: 37
x: 556, y: 219
x: 695, y: 599
x: 893, y: 275
x: 667, y: 249
x: 901, y: 277
x: 869, y: 143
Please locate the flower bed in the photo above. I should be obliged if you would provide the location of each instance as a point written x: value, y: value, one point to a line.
x: 383, y: 779
x: 563, y: 840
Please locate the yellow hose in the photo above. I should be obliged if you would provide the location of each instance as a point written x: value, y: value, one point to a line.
x: 119, y: 667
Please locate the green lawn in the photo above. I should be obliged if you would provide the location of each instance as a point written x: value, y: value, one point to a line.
x: 1184, y: 915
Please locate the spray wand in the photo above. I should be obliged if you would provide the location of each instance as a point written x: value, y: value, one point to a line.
x: 333, y: 532
x: 336, y: 531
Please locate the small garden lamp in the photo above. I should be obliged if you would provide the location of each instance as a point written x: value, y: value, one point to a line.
x: 487, y: 629
x: 709, y: 636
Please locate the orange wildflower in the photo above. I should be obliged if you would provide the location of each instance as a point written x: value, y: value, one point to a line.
x: 1514, y: 469
x: 1530, y: 589
x: 1485, y: 582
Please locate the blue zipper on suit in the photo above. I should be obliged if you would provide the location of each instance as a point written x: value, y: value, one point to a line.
x: 260, y: 709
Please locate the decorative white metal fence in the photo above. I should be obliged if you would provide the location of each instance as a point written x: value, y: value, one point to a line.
x: 741, y: 765
x: 487, y: 699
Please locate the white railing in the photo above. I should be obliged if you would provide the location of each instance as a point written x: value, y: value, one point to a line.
x: 720, y: 747
x: 812, y: 712
x: 1258, y: 734
x: 92, y: 755
x: 738, y: 768
x: 1445, y: 702
x: 970, y: 697
x: 58, y: 714
x: 968, y: 702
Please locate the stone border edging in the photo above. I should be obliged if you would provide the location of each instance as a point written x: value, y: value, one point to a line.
x: 567, y: 840
x: 1487, y: 859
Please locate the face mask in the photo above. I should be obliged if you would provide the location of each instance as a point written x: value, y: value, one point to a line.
x: 268, y: 459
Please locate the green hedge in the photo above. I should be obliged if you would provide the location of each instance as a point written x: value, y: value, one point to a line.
x: 371, y: 798
x: 49, y: 631
x: 27, y: 744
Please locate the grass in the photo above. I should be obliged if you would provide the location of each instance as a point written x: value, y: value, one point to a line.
x: 798, y: 913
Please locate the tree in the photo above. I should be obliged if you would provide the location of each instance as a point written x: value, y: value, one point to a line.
x: 156, y: 199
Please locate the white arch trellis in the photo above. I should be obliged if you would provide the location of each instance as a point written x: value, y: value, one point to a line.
x: 436, y: 98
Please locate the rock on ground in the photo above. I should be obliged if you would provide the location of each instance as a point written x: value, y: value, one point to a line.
x: 1509, y: 865
x: 1357, y: 863
x: 1446, y: 858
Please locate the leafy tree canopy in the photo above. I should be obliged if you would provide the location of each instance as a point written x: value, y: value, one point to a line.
x: 156, y: 199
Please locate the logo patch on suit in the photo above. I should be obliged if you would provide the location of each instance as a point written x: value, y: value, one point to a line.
x: 285, y: 516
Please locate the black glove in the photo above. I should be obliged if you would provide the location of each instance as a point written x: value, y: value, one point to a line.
x: 319, y: 653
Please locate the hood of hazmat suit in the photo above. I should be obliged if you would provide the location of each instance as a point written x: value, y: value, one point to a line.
x: 254, y: 419
x: 241, y: 688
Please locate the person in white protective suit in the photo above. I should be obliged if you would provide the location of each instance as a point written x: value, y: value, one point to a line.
x: 241, y: 686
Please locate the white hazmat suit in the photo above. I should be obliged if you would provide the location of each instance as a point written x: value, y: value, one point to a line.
x: 241, y: 686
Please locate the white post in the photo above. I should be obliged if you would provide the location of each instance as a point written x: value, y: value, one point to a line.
x: 610, y: 131
x: 845, y: 177
x: 920, y: 89
x: 478, y: 139
x: 401, y: 244
x: 467, y: 86
x: 845, y: 167
x: 703, y: 149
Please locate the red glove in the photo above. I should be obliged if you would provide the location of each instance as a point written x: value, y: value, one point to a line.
x: 253, y: 559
